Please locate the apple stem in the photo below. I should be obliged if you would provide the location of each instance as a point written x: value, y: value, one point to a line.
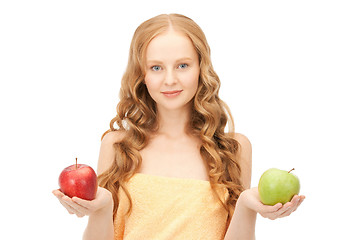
x: 76, y: 163
x: 291, y: 170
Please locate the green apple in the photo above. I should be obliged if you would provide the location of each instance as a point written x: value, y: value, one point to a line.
x: 277, y: 186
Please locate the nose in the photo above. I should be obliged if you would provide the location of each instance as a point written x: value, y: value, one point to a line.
x: 170, y: 77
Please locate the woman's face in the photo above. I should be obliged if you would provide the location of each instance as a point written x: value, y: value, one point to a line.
x: 172, y: 70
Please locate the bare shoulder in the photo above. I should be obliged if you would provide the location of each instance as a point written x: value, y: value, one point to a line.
x: 107, y: 150
x: 112, y: 137
x: 243, y: 141
x: 244, y: 158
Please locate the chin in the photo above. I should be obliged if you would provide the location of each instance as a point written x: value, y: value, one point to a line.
x: 174, y: 107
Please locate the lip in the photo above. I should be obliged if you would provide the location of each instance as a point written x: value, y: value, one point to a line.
x: 172, y: 93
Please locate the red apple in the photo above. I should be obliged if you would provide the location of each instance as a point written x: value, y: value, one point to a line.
x: 78, y: 180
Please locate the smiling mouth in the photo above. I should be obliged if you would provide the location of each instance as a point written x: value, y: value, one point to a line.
x: 172, y: 92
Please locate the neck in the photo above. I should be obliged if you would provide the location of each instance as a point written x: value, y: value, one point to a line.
x: 173, y: 123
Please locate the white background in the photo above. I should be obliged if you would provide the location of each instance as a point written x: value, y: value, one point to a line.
x: 286, y: 68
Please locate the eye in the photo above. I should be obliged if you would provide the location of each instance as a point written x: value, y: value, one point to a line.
x: 155, y: 68
x: 183, y: 66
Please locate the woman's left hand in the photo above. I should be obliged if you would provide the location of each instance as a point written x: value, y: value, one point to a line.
x: 252, y: 201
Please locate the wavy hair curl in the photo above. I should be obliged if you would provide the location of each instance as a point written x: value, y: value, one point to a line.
x: 137, y: 116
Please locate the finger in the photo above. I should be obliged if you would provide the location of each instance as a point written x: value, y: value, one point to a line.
x: 298, y: 201
x: 289, y: 207
x: 67, y: 207
x: 270, y: 216
x: 72, y: 210
x: 86, y: 205
x: 67, y: 203
x: 58, y: 193
x: 282, y: 212
x: 78, y: 209
x: 288, y: 210
x: 270, y: 212
x: 296, y: 198
x: 286, y: 213
x: 80, y: 215
x: 302, y: 198
x: 295, y: 201
x: 272, y: 209
x: 82, y: 202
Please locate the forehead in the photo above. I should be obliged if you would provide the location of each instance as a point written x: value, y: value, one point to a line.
x: 169, y: 46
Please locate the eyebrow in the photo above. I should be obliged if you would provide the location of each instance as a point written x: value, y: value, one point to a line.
x: 178, y: 60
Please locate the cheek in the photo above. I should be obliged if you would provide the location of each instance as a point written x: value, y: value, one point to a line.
x: 151, y: 84
x: 192, y: 80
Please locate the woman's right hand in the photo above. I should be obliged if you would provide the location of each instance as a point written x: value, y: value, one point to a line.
x: 81, y: 207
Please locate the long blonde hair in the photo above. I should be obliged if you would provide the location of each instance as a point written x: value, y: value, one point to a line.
x: 137, y: 112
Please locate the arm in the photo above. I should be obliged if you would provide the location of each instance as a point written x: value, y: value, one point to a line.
x: 100, y: 223
x: 99, y: 210
x: 242, y: 225
x: 243, y: 222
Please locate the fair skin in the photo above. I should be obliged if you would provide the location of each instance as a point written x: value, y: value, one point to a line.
x: 172, y: 64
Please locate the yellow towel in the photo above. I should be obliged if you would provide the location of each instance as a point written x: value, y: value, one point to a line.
x: 167, y: 208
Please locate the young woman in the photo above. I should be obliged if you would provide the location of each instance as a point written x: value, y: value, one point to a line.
x: 167, y: 168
